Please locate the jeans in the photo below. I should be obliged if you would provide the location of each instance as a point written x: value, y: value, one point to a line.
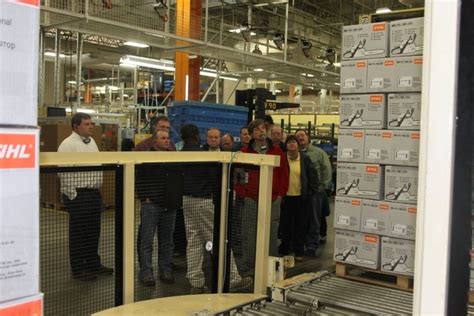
x: 249, y: 232
x: 84, y: 230
x: 314, y: 222
x: 293, y: 221
x: 155, y: 218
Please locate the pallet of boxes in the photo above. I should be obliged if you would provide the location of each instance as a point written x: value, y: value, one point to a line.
x: 377, y: 169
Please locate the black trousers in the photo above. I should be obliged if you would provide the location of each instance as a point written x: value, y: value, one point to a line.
x: 293, y: 222
x: 325, y: 211
x: 84, y: 230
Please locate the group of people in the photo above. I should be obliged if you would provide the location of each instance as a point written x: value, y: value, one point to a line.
x: 298, y: 210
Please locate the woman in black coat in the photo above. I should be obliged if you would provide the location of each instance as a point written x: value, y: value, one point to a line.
x: 303, y: 183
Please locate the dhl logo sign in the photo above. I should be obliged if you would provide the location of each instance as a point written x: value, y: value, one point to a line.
x: 372, y: 169
x: 378, y: 27
x: 389, y: 63
x: 371, y: 238
x: 358, y: 134
x: 360, y: 64
x: 355, y: 202
x: 17, y: 151
x: 376, y: 98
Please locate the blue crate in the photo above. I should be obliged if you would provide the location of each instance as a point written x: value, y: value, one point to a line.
x: 227, y: 118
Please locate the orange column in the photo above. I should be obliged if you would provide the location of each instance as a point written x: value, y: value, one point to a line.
x: 188, y: 25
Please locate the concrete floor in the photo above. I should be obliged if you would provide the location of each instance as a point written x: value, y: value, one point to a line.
x: 67, y: 296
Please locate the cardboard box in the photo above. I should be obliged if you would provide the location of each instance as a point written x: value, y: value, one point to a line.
x: 401, y: 184
x: 375, y: 217
x: 350, y: 145
x: 19, y: 218
x: 25, y: 306
x: 406, y: 37
x: 357, y: 248
x: 402, y: 219
x: 404, y: 111
x: 378, y: 146
x: 360, y: 180
x: 381, y: 75
x: 398, y: 256
x: 367, y: 111
x: 354, y: 76
x: 408, y: 74
x: 365, y: 41
x: 406, y: 146
x: 19, y: 63
x: 347, y: 212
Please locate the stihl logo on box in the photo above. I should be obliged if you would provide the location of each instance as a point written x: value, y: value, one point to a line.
x: 376, y: 98
x: 17, y: 151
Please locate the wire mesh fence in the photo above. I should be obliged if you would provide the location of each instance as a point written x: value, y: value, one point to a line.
x: 78, y: 239
x: 177, y: 210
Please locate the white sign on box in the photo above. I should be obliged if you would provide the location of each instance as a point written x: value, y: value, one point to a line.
x: 19, y: 33
x: 19, y: 216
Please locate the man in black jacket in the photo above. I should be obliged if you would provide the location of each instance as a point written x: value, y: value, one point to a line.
x: 198, y: 208
x: 158, y: 189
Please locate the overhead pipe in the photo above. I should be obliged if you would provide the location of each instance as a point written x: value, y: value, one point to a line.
x: 79, y: 46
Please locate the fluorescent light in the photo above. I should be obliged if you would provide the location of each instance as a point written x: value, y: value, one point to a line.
x: 383, y: 10
x: 279, y: 2
x: 337, y: 83
x: 163, y: 64
x: 89, y: 111
x: 277, y: 91
x: 136, y: 44
x: 337, y: 64
x: 53, y: 54
x: 260, y: 4
x: 239, y: 30
x: 310, y: 75
x: 258, y: 69
x: 72, y: 82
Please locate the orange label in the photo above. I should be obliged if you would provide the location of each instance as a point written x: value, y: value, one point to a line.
x: 383, y: 207
x: 418, y: 61
x: 378, y: 27
x: 415, y: 136
x: 386, y: 135
x: 17, y: 151
x: 371, y: 238
x: 355, y: 202
x: 357, y: 134
x: 372, y: 169
x: 27, y: 308
x: 412, y: 210
x: 376, y: 98
x: 389, y: 62
x: 360, y: 64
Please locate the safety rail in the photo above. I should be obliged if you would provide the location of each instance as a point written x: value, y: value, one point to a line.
x: 128, y: 160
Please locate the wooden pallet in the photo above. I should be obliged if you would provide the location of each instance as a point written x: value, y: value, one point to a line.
x: 375, y: 277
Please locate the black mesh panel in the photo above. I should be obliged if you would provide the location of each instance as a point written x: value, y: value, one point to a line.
x: 242, y: 225
x: 180, y: 204
x: 78, y: 239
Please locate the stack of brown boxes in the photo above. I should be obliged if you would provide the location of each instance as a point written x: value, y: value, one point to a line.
x: 377, y: 174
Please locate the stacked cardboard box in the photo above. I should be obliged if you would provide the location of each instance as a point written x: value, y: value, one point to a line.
x: 19, y: 161
x: 377, y: 174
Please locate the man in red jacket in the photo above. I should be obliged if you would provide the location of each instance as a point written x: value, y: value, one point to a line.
x: 260, y: 144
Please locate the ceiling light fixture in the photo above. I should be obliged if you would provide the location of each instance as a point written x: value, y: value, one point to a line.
x: 136, y: 44
x: 258, y: 69
x: 383, y: 10
x: 53, y: 54
x: 162, y: 64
